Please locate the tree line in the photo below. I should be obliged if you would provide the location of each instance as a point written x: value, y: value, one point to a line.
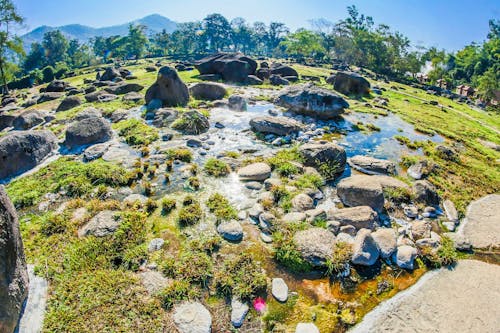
x: 355, y: 40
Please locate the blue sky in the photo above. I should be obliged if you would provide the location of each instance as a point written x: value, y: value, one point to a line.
x: 447, y: 24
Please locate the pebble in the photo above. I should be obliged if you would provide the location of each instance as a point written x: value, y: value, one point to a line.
x: 279, y: 289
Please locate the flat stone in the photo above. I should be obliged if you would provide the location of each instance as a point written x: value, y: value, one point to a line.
x: 103, y: 224
x: 306, y: 328
x: 239, y: 311
x: 192, y: 317
x: 279, y: 289
x: 372, y: 166
x: 365, y: 250
x: 255, y: 171
x: 153, y: 281
x: 482, y: 222
x: 231, y: 231
x: 360, y: 217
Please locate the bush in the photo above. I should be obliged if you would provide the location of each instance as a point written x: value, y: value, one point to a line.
x: 48, y: 74
x: 285, y: 156
x: 241, y: 276
x: 177, y: 291
x: 191, y: 266
x: 342, y: 253
x: 194, y: 183
x: 445, y: 255
x: 216, y: 168
x: 136, y: 133
x: 287, y: 169
x: 308, y: 181
x: 220, y: 206
x: 190, y: 214
x: 168, y: 204
x: 286, y: 252
x: 181, y: 154
x: 53, y: 224
x: 208, y: 244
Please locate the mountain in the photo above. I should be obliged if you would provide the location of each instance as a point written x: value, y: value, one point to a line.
x: 154, y: 23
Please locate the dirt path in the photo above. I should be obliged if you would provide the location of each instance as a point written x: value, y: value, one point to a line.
x: 461, y: 300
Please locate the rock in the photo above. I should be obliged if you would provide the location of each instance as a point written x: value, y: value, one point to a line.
x: 420, y: 229
x: 150, y: 69
x: 365, y: 250
x: 361, y: 217
x: 481, y: 224
x: 333, y: 226
x: 153, y: 281
x: 87, y: 131
x: 302, y: 202
x: 279, y: 289
x: 277, y: 80
x: 411, y: 211
x: 28, y: 119
x: 451, y: 211
x: 426, y: 306
x: 49, y: 96
x: 237, y: 103
x: 320, y: 154
x: 343, y: 237
x: 351, y: 83
x: 100, y: 96
x: 312, y: 101
x: 348, y: 229
x: 132, y: 96
x: 253, y: 80
x: 23, y: 150
x: 386, y: 241
x: 426, y: 193
x: 192, y: 317
x: 361, y: 190
x: 315, y: 245
x: 294, y: 217
x: 254, y: 186
x: 233, y: 67
x: 283, y: 70
x: 56, y: 86
x: 255, y: 171
x: 372, y: 166
x: 155, y: 244
x: 110, y: 74
x: 6, y: 120
x: 306, y: 328
x: 210, y: 77
x: 460, y: 242
x: 168, y: 88
x: 124, y: 88
x: 420, y: 170
x: 449, y: 226
x: 133, y: 198
x: 231, y: 231
x: 164, y: 117
x: 69, y: 103
x: 447, y: 153
x: 275, y: 125
x: 103, y: 224
x: 427, y: 242
x: 405, y: 256
x: 316, y: 214
x: 255, y: 211
x: 192, y: 123
x: 208, y: 91
x: 239, y: 311
x: 14, y: 282
x: 94, y: 152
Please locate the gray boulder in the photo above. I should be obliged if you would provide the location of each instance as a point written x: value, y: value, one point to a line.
x: 192, y: 123
x: 351, y: 83
x: 110, y: 74
x: 49, y: 96
x: 365, y: 249
x: 69, y: 103
x: 231, y: 231
x: 481, y: 224
x: 302, y: 202
x: 315, y: 245
x: 405, y: 256
x: 386, y: 241
x: 168, y: 88
x: 87, y: 131
x: 28, y: 119
x: 275, y: 125
x: 312, y: 101
x: 283, y: 70
x: 192, y: 317
x: 256, y: 171
x: 361, y: 190
x: 306, y: 328
x: 23, y: 150
x: 361, y: 217
x: 56, y: 86
x: 6, y: 120
x: 103, y: 224
x: 320, y: 154
x: 208, y: 91
x: 426, y: 193
x: 233, y: 67
x: 124, y: 88
x: 372, y: 166
x: 277, y: 80
x: 13, y: 275
x: 239, y: 311
x: 237, y: 103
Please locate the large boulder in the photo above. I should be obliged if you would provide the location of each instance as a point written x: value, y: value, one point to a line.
x: 69, y: 103
x: 302, y: 202
x: 13, y: 274
x: 405, y: 256
x: 351, y: 83
x: 49, y: 96
x: 168, y: 88
x: 28, y: 119
x: 110, y: 74
x: 321, y: 154
x: 233, y: 67
x: 124, y: 88
x: 283, y: 70
x: 87, y: 131
x: 275, y: 125
x: 255, y: 172
x: 208, y: 91
x: 426, y: 193
x: 192, y: 317
x: 100, y: 96
x: 23, y: 150
x: 315, y: 245
x: 312, y: 101
x: 481, y: 225
x: 361, y: 190
x: 56, y: 86
x: 386, y: 241
x: 372, y: 166
x: 365, y: 251
x: 6, y: 120
x: 362, y: 217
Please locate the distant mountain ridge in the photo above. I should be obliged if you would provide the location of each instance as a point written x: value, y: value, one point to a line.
x: 154, y: 23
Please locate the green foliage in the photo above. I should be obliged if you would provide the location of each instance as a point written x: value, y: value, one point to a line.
x: 194, y: 267
x: 241, y: 276
x: 303, y: 43
x: 341, y: 255
x: 194, y: 183
x: 181, y: 154
x: 285, y: 250
x: 177, y: 291
x: 308, y: 181
x: 216, y: 168
x: 168, y: 204
x: 398, y: 194
x: 445, y: 255
x: 220, y: 206
x: 48, y: 74
x: 287, y: 169
x: 136, y: 133
x: 329, y: 169
x: 206, y: 243
x: 190, y: 214
x: 285, y: 156
x: 76, y: 178
x: 279, y: 312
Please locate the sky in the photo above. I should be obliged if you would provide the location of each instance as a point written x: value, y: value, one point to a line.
x: 449, y: 24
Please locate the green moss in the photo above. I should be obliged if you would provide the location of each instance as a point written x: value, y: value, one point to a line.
x: 181, y: 154
x: 398, y: 194
x: 220, y: 206
x: 177, y: 291
x: 285, y: 156
x: 190, y: 214
x: 285, y: 250
x: 341, y: 255
x: 445, y: 255
x: 216, y: 168
x: 287, y: 169
x: 77, y: 179
x: 136, y: 133
x: 194, y: 183
x: 308, y: 181
x: 167, y: 205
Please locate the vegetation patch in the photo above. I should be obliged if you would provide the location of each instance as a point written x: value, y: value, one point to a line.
x: 181, y: 154
x: 136, y: 133
x: 221, y: 208
x: 190, y: 214
x: 216, y: 168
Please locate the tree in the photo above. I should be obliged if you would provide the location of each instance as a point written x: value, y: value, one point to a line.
x: 9, y: 43
x: 217, y: 32
x: 78, y: 54
x: 303, y: 43
x: 136, y: 41
x: 276, y: 34
x: 55, y: 46
x: 489, y: 84
x: 243, y: 35
x: 35, y: 58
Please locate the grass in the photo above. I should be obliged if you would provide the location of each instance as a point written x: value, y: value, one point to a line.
x: 285, y: 156
x: 285, y: 250
x: 216, y: 168
x: 190, y: 213
x: 181, y: 154
x: 77, y: 179
x: 341, y: 256
x: 136, y: 133
x: 221, y: 208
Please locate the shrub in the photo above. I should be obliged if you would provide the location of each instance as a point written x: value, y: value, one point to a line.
x: 181, y: 154
x: 216, y: 168
x: 241, y: 276
x: 287, y: 169
x: 445, y: 255
x: 398, y: 194
x: 190, y: 214
x: 286, y: 252
x: 308, y: 181
x: 53, y: 224
x: 194, y: 183
x: 177, y: 291
x: 48, y: 74
x: 220, y: 206
x: 195, y: 267
x: 285, y: 156
x: 136, y: 133
x: 208, y: 244
x: 341, y: 255
x: 168, y: 204
x: 150, y: 206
